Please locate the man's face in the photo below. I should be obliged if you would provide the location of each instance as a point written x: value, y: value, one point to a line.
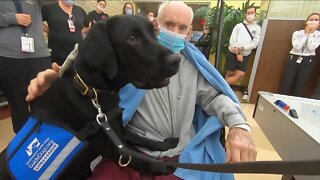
x: 251, y: 12
x: 176, y: 19
x: 102, y: 4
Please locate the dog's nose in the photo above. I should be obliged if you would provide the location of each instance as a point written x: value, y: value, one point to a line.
x: 173, y: 61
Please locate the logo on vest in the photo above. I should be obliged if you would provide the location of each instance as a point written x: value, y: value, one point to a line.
x: 40, y: 153
x: 33, y: 146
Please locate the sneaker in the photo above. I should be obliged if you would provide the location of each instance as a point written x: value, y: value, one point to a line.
x: 244, y: 97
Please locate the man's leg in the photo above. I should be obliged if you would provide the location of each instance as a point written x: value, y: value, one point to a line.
x: 14, y: 77
x: 235, y: 77
x: 14, y: 84
x: 228, y: 74
x: 230, y: 65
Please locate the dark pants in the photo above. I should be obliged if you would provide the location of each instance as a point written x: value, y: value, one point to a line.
x: 296, y: 74
x: 233, y: 64
x: 15, y: 76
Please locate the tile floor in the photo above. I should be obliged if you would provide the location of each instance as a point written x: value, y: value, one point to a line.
x: 265, y: 149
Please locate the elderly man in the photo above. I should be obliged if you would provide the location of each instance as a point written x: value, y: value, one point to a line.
x: 197, y: 94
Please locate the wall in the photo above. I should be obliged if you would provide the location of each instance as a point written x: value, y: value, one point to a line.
x: 238, y: 3
x: 292, y: 9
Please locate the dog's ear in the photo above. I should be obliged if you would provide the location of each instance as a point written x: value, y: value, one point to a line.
x: 96, y: 51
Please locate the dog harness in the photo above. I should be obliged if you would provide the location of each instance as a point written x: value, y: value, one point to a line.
x: 41, y: 151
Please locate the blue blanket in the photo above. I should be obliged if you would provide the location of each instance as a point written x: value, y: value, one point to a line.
x: 205, y: 147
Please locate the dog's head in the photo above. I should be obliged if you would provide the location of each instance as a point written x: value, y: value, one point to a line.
x: 125, y: 50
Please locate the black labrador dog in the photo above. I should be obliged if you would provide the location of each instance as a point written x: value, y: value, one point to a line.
x: 119, y: 51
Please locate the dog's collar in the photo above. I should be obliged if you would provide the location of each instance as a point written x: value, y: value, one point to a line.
x: 87, y: 90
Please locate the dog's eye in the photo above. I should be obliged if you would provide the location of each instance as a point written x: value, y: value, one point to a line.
x: 132, y: 38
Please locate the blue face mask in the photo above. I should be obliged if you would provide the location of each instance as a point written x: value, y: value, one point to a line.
x: 69, y: 2
x: 171, y: 40
x: 128, y: 11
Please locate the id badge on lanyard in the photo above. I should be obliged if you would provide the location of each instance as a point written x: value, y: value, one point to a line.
x: 27, y: 43
x: 299, y: 59
x: 71, y: 22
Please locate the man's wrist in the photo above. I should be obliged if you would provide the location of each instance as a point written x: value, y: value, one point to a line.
x: 240, y: 50
x: 243, y: 126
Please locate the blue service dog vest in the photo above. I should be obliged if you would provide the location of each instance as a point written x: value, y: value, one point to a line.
x: 41, y: 151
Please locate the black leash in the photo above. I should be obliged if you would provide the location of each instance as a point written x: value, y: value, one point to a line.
x: 309, y: 167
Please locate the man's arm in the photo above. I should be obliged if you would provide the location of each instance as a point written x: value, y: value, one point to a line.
x: 233, y: 39
x: 215, y: 103
x: 239, y: 145
x: 255, y: 41
x: 12, y: 18
x: 7, y: 19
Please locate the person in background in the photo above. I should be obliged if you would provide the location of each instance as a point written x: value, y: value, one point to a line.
x: 23, y: 53
x: 154, y: 20
x: 128, y: 8
x: 301, y: 59
x: 204, y: 42
x: 150, y: 16
x: 156, y: 27
x: 197, y: 94
x: 244, y: 38
x: 98, y: 14
x: 66, y: 24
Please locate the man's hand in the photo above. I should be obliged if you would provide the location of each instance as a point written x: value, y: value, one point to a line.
x: 42, y: 82
x: 23, y: 19
x: 240, y: 146
x: 240, y: 57
x: 235, y: 50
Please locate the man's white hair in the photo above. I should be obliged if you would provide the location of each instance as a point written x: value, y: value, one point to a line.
x: 166, y: 3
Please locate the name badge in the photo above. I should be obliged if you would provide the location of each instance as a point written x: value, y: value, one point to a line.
x: 299, y: 59
x: 72, y: 28
x: 27, y: 44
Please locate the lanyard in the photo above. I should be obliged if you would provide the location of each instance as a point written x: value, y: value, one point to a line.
x: 18, y: 6
x: 305, y: 45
